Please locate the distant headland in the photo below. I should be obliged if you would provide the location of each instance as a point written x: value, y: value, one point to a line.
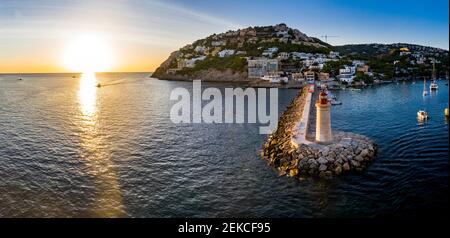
x: 282, y: 56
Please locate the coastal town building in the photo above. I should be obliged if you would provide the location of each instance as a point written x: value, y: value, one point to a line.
x: 333, y: 54
x: 259, y: 67
x: 310, y: 76
x: 270, y: 52
x: 357, y: 63
x: 225, y: 53
x: 308, y: 62
x: 347, y: 74
x: 283, y: 55
x: 301, y: 55
x: 316, y: 66
x: 298, y: 77
x: 218, y: 43
x: 190, y: 63
x: 200, y: 49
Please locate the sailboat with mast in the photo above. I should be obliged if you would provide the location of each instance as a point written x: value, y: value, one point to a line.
x: 425, y: 92
x: 433, y: 85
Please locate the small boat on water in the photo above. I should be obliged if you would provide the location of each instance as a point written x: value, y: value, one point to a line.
x: 355, y: 89
x: 433, y: 85
x: 330, y: 96
x: 422, y: 115
x: 425, y: 92
x: 275, y: 78
x: 335, y: 102
x: 19, y: 79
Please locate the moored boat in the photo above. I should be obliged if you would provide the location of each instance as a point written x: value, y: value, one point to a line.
x: 422, y: 115
x: 433, y: 85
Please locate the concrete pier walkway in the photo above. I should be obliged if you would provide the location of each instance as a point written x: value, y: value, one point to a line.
x: 304, y: 129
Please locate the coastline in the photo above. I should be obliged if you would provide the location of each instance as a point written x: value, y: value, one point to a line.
x: 245, y: 83
x: 259, y: 83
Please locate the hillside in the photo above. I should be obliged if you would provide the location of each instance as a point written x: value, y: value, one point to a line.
x: 205, y: 63
x: 226, y: 56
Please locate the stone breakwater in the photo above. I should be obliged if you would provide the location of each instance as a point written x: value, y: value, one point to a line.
x: 348, y: 151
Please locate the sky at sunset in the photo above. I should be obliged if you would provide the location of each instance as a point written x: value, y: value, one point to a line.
x: 55, y: 36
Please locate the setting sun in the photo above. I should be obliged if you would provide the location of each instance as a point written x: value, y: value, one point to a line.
x: 88, y: 53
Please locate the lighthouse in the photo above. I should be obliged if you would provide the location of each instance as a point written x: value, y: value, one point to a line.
x: 323, y: 119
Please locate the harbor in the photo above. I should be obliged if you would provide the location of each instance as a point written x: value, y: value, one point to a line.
x: 305, y: 144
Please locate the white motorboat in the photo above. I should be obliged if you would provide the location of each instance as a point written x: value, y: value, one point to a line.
x: 422, y: 115
x: 425, y: 92
x: 274, y: 78
x: 335, y: 102
x: 433, y: 85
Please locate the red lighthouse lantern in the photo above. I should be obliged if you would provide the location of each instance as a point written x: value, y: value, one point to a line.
x: 323, y: 99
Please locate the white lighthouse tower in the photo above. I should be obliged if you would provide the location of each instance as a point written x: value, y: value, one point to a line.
x: 323, y: 119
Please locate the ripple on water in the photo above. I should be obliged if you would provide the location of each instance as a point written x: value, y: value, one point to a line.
x: 128, y: 159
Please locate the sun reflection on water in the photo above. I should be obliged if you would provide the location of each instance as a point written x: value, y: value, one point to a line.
x: 87, y: 94
x: 96, y: 156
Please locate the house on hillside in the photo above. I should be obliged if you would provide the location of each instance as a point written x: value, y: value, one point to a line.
x: 190, y: 63
x: 333, y: 55
x: 310, y: 76
x: 347, y: 74
x: 218, y: 43
x: 225, y: 53
x: 259, y: 67
x: 270, y: 52
x: 200, y: 49
x: 298, y: 77
x: 283, y: 55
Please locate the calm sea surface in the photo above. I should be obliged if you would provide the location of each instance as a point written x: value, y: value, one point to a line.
x: 70, y: 149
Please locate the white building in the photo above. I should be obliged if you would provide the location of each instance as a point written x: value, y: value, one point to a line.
x: 357, y: 63
x: 218, y: 43
x: 200, y: 49
x: 225, y: 53
x: 308, y: 62
x: 301, y: 55
x: 347, y: 74
x: 316, y: 66
x: 333, y: 54
x: 283, y: 55
x: 310, y: 76
x: 298, y: 77
x: 270, y: 52
x: 191, y: 62
x: 319, y: 60
x: 257, y: 68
